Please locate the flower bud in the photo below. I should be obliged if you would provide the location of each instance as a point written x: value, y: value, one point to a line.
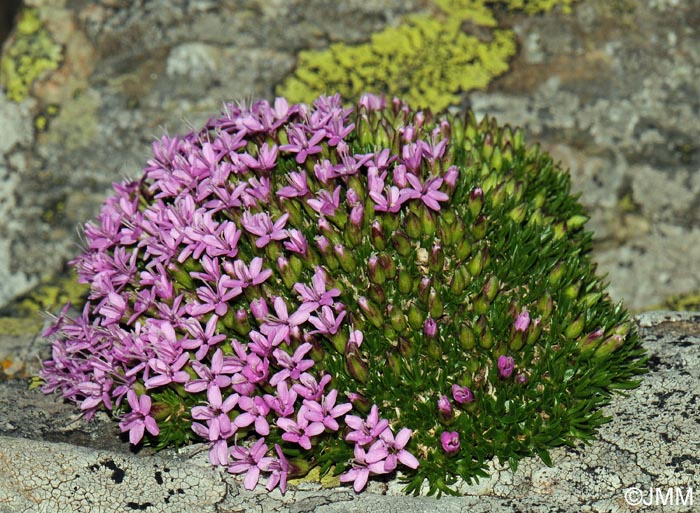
x: 522, y: 322
x: 347, y: 261
x: 430, y: 328
x: 479, y: 227
x: 359, y: 402
x: 424, y: 289
x: 405, y: 282
x: 377, y: 236
x: 397, y: 318
x: 557, y: 274
x: 535, y: 330
x: 451, y: 177
x: 444, y: 407
x: 506, y: 365
x: 377, y: 294
x: 436, y: 305
x: 415, y: 317
x: 575, y: 328
x: 413, y: 226
x: 428, y: 222
x: 463, y: 250
x: 388, y: 266
x: 353, y: 198
x: 371, y: 312
x: 374, y: 272
x: 400, y: 179
x: 485, y: 336
x: 462, y: 395
x: 402, y: 244
x: 545, y: 306
x: 357, y: 367
x: 481, y: 304
x: 476, y: 201
x: 357, y: 215
x: 466, y: 337
x: 517, y: 214
x: 393, y: 361
x: 609, y: 345
x: 258, y: 307
x: 289, y: 278
x: 576, y: 221
x: 436, y: 260
x: 491, y: 288
x: 457, y: 283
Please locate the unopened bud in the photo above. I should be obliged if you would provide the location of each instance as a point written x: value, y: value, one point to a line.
x: 388, y: 266
x: 405, y: 282
x: 258, y: 307
x: 428, y: 222
x: 357, y: 367
x: 436, y: 260
x: 479, y: 228
x: 415, y: 317
x: 401, y: 243
x: 457, y: 283
x: 557, y: 274
x: 430, y: 328
x: 346, y: 259
x: 476, y: 201
x: 377, y: 236
x: 371, y: 312
x: 377, y: 294
x: 491, y: 287
x: 466, y: 337
x: 575, y: 328
x: 545, y: 306
x: 397, y: 319
x: 609, y: 345
x: 517, y: 214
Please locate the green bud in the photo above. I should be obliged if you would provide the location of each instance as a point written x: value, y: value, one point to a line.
x: 517, y: 214
x: 436, y: 304
x: 498, y: 195
x: 466, y: 337
x: 476, y: 264
x: 534, y: 332
x: 486, y: 339
x: 371, y: 312
x: 539, y: 199
x: 496, y: 159
x: 491, y: 288
x: 401, y: 243
x: 406, y: 347
x: 590, y: 299
x: 340, y: 340
x: 481, y: 304
x: 388, y: 265
x: 545, y: 305
x: 393, y: 362
x: 377, y: 294
x: 576, y: 221
x: 377, y: 236
x: 357, y: 367
x: 434, y: 350
x: 405, y: 282
x: 413, y: 226
x: 609, y: 345
x: 572, y: 290
x: 479, y: 227
x: 557, y: 274
x: 517, y: 341
x: 463, y: 250
x: 559, y: 230
x: 428, y: 222
x: 397, y: 319
x: 416, y: 317
x: 457, y: 284
x: 575, y: 328
x: 476, y: 201
x: 436, y: 259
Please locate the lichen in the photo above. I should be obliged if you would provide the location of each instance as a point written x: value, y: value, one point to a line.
x: 429, y: 59
x: 31, y: 53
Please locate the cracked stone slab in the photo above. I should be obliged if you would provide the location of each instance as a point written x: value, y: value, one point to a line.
x: 652, y: 441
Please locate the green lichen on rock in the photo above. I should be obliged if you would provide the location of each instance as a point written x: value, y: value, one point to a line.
x: 429, y: 59
x: 31, y: 53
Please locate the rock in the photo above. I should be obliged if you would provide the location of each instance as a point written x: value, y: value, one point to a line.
x: 51, y: 461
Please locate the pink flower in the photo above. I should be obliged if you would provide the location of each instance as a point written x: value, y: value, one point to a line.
x: 450, y: 441
x: 326, y: 321
x: 301, y: 431
x: 396, y: 451
x: 292, y: 365
x: 326, y: 411
x: 365, y: 431
x: 278, y: 468
x: 371, y: 461
x: 297, y: 186
x: 462, y: 394
x: 281, y: 324
x: 523, y: 321
x: 506, y: 365
x: 317, y: 295
x: 255, y: 409
x: 248, y: 461
x: 444, y: 406
x: 427, y: 192
x: 139, y: 418
x: 261, y: 225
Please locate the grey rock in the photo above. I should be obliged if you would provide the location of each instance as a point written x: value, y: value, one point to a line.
x: 48, y: 462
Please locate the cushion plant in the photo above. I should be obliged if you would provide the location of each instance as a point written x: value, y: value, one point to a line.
x: 364, y: 289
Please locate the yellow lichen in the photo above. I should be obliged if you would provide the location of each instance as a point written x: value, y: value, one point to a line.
x: 428, y: 60
x: 31, y: 53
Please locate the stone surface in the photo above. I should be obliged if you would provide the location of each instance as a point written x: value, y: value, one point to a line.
x: 51, y: 461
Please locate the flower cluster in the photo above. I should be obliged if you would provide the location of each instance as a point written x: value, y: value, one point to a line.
x: 310, y: 285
